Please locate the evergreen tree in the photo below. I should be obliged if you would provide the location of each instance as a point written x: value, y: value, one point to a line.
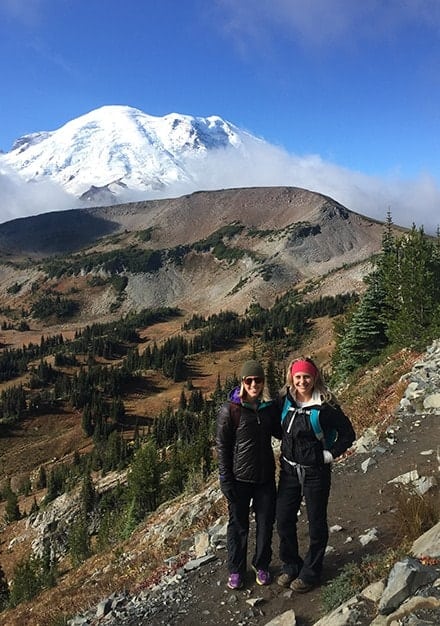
x: 28, y: 580
x: 182, y: 401
x: 12, y: 512
x: 144, y: 481
x: 87, y: 422
x: 79, y: 540
x: 412, y: 317
x: 4, y: 590
x: 272, y: 380
x: 365, y: 335
x: 88, y: 495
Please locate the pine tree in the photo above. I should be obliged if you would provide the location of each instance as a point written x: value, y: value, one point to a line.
x: 272, y: 380
x: 88, y: 495
x: 87, y: 422
x: 365, y: 336
x: 79, y: 541
x: 4, y: 590
x: 12, y: 512
x: 183, y: 401
x: 144, y: 481
x: 412, y: 318
x: 28, y: 580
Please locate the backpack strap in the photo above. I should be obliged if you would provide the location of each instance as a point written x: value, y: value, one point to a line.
x: 314, y: 421
x: 317, y: 429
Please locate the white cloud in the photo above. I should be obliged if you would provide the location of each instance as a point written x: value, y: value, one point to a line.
x: 410, y: 201
x: 21, y: 199
x: 326, y: 22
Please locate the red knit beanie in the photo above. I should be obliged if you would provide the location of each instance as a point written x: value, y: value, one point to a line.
x: 304, y: 367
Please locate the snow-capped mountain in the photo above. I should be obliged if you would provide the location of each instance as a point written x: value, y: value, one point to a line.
x: 119, y: 151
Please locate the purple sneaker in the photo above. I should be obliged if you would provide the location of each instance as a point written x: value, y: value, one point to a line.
x: 234, y: 581
x: 262, y: 576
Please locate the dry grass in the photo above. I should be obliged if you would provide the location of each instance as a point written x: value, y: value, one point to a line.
x: 373, y: 397
x: 414, y: 513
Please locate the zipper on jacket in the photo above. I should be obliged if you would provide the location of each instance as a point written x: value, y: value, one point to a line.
x: 292, y: 410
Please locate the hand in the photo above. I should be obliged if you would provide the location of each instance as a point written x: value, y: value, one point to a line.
x: 228, y: 490
x: 328, y: 457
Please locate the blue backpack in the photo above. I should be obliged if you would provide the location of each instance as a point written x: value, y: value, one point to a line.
x: 332, y: 435
x: 313, y: 414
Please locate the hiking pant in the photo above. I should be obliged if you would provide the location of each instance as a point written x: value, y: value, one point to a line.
x: 263, y: 498
x: 316, y: 490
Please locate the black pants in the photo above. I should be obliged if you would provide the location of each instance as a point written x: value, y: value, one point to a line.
x: 263, y: 498
x: 316, y: 491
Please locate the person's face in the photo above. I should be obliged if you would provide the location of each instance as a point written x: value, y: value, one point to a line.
x: 303, y: 385
x: 253, y: 386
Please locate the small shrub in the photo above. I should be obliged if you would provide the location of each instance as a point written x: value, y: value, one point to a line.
x: 194, y: 482
x: 31, y: 576
x: 96, y: 281
x: 13, y: 289
x: 119, y: 282
x: 355, y: 577
x: 414, y: 513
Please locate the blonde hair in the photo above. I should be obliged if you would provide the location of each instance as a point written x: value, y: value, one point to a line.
x: 319, y: 384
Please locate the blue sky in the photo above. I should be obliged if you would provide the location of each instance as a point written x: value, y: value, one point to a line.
x: 349, y: 90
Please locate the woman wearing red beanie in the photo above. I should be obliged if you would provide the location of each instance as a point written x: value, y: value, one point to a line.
x: 315, y: 432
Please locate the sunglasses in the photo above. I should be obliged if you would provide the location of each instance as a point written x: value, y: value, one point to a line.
x: 252, y: 379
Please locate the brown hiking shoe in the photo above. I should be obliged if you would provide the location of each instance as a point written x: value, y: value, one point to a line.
x: 284, y: 579
x: 300, y: 586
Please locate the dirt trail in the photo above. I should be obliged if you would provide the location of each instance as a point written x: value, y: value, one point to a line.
x: 359, y: 502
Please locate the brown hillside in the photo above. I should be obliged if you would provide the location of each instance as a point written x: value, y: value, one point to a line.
x: 276, y: 238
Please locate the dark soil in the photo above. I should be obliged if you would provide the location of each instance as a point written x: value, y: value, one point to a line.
x: 359, y: 501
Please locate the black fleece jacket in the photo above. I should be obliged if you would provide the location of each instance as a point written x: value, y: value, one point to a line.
x: 299, y: 442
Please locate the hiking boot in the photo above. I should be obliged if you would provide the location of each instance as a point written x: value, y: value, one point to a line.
x: 262, y: 576
x: 234, y: 581
x: 300, y: 586
x: 285, y: 579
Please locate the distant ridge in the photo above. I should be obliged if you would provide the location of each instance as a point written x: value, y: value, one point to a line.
x: 213, y: 250
x: 176, y: 221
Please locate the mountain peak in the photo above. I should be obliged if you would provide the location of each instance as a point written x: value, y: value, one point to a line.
x: 121, y: 143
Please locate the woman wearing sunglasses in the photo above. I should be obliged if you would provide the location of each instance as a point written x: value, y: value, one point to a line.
x: 245, y: 426
x: 315, y: 432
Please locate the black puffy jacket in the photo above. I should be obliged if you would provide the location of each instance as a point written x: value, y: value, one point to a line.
x: 245, y: 449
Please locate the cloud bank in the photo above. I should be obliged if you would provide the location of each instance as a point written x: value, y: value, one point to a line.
x: 21, y: 199
x: 260, y: 164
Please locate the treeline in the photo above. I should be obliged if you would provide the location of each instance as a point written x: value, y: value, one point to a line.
x: 139, y: 260
x: 107, y: 340
x: 401, y: 305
